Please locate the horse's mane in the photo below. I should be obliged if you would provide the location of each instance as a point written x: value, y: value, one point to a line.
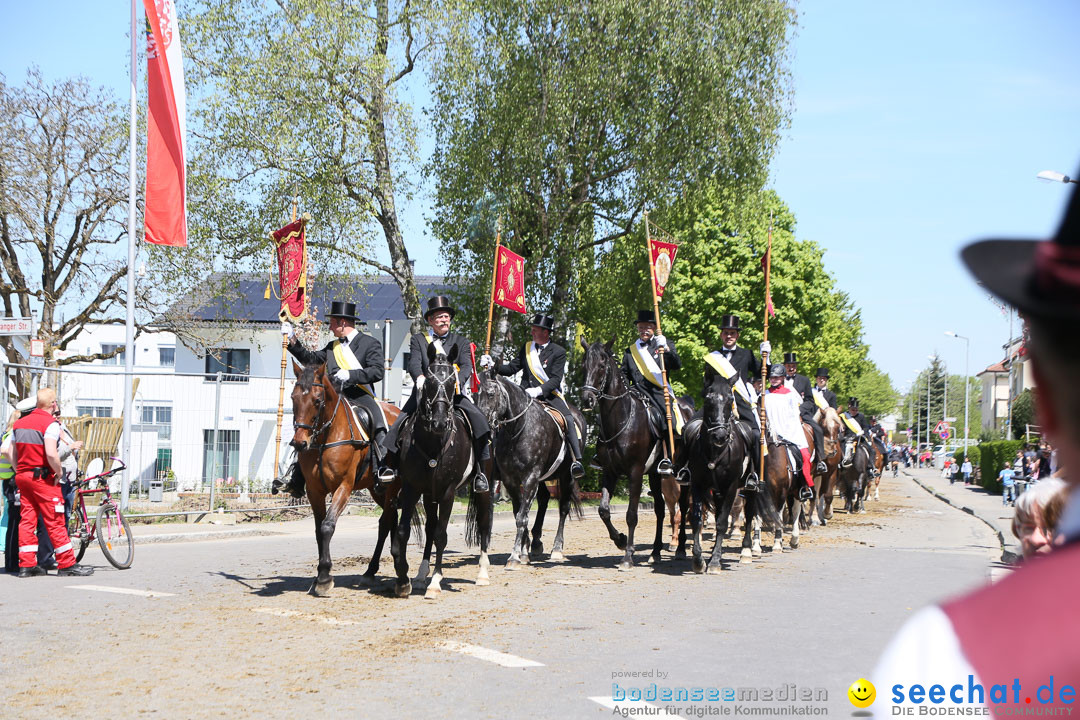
x: 307, y: 376
x: 830, y: 419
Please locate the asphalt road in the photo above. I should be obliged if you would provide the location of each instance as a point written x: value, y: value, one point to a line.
x: 225, y: 627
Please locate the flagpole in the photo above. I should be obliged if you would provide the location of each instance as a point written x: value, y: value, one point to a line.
x: 284, y: 363
x: 129, y: 333
x: 656, y: 314
x: 494, y: 274
x: 765, y: 356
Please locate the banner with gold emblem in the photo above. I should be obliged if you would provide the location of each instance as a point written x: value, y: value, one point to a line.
x: 509, y: 286
x: 292, y: 270
x: 662, y: 257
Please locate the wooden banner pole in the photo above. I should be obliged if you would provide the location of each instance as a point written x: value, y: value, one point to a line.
x: 494, y: 272
x: 284, y: 363
x: 656, y: 313
x: 765, y: 356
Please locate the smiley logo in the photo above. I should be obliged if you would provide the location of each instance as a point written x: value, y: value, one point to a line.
x: 862, y: 693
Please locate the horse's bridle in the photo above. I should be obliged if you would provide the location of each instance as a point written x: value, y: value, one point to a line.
x: 607, y: 376
x: 604, y: 396
x: 321, y: 429
x: 496, y: 423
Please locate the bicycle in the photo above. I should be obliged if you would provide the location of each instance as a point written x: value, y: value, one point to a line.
x: 109, y: 525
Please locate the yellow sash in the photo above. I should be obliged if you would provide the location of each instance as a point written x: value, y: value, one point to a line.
x: 532, y: 358
x: 347, y: 360
x: 852, y: 424
x: 647, y: 366
x: 722, y: 365
x: 819, y: 398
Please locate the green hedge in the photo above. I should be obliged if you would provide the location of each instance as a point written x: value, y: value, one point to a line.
x: 973, y: 456
x: 992, y: 457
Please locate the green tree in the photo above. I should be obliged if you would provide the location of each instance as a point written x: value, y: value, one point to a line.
x: 1023, y: 413
x: 875, y: 392
x: 915, y: 408
x: 571, y: 118
x: 301, y: 97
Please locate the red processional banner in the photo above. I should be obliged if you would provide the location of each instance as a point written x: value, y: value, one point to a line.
x: 509, y: 290
x: 165, y: 211
x: 662, y: 257
x: 292, y: 270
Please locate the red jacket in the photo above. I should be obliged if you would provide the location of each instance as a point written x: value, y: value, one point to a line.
x: 29, y: 433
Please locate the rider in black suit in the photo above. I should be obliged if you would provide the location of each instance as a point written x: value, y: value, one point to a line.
x: 822, y: 386
x: 858, y: 417
x: 552, y: 359
x: 654, y: 345
x: 801, y: 385
x: 356, y: 384
x: 438, y: 315
x: 748, y: 367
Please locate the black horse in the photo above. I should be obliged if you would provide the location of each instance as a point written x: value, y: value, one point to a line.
x: 625, y: 446
x: 718, y: 458
x: 854, y: 478
x: 436, y: 459
x: 529, y: 449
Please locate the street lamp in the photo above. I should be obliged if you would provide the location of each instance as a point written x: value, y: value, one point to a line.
x: 1054, y: 176
x: 967, y: 385
x: 929, y: 444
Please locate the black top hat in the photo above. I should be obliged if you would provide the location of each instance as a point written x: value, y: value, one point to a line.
x: 853, y: 402
x: 822, y: 372
x: 645, y: 316
x: 1039, y: 277
x: 729, y: 322
x: 340, y: 309
x: 790, y: 358
x: 541, y: 320
x: 438, y: 304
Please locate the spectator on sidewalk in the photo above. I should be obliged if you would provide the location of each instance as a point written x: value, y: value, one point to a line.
x: 1038, y: 511
x: 965, y: 470
x: 1008, y: 485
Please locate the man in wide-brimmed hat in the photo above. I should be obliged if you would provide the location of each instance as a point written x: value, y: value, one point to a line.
x: 720, y: 366
x: 354, y: 361
x: 542, y: 364
x: 964, y: 640
x: 439, y: 314
x: 641, y: 365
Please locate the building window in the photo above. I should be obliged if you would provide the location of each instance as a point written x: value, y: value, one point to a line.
x: 167, y: 356
x: 117, y: 359
x: 225, y: 462
x: 93, y: 410
x: 163, y: 464
x: 156, y: 417
x: 234, y: 364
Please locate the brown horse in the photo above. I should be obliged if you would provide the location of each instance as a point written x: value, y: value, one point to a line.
x: 333, y: 457
x: 825, y: 484
x: 779, y: 494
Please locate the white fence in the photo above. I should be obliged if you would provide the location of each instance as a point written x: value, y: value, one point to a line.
x: 175, y: 417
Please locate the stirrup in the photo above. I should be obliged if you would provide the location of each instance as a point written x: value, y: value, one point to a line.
x: 386, y: 474
x: 577, y: 470
x: 664, y: 467
x: 805, y: 493
x: 480, y: 483
x: 822, y: 468
x: 684, y: 477
x: 752, y: 483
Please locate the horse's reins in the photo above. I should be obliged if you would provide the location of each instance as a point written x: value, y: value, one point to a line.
x: 722, y: 425
x: 497, y: 423
x: 608, y: 377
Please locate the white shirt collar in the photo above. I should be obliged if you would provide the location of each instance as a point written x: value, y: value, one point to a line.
x: 351, y: 335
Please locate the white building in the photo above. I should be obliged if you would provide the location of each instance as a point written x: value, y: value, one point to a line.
x: 178, y: 397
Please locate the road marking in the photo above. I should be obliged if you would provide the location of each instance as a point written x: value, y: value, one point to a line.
x: 492, y: 656
x: 613, y: 704
x: 122, y: 591
x: 325, y: 619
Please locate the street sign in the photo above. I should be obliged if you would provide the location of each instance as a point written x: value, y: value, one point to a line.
x: 15, y: 326
x: 941, y: 426
x: 944, y: 434
x: 37, y: 348
x: 950, y: 419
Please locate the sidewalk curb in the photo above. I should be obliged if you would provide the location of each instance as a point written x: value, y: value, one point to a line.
x: 456, y: 519
x: 1007, y: 556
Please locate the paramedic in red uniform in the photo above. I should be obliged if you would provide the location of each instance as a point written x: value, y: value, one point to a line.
x: 36, y: 461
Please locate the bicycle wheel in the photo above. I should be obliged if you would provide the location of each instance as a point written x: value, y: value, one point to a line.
x: 79, y: 534
x: 114, y: 537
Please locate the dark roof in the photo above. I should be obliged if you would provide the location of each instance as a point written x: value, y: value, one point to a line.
x: 241, y: 298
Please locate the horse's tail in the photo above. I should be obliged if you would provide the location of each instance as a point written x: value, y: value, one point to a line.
x: 575, y: 499
x: 418, y: 519
x: 765, y: 508
x: 472, y: 525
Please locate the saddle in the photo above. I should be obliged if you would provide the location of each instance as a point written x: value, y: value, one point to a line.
x: 555, y: 414
x: 795, y: 458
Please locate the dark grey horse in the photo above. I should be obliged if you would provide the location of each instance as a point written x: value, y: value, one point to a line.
x: 718, y: 459
x: 529, y: 448
x: 436, y: 459
x: 853, y: 479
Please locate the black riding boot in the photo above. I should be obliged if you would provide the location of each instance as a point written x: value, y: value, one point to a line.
x: 483, y: 454
x: 577, y: 470
x: 296, y: 484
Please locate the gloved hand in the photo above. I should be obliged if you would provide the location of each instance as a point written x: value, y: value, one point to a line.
x: 419, y: 382
x: 287, y: 329
x: 661, y: 341
x: 766, y: 348
x: 487, y: 362
x: 341, y: 375
x: 534, y: 392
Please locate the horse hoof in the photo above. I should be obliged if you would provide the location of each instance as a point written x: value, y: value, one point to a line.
x: 482, y: 582
x: 699, y: 567
x: 556, y: 556
x: 794, y: 542
x: 654, y: 559
x: 625, y: 566
x: 672, y: 547
x: 403, y: 590
x: 321, y: 589
x: 713, y: 570
x: 537, y: 550
x: 756, y: 552
x: 778, y: 548
x: 621, y: 542
x: 432, y: 594
x: 680, y: 554
x: 513, y: 564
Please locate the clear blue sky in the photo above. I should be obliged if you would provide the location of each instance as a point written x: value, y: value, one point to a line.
x: 917, y: 127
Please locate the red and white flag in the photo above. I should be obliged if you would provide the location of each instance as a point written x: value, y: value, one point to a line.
x: 166, y: 190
